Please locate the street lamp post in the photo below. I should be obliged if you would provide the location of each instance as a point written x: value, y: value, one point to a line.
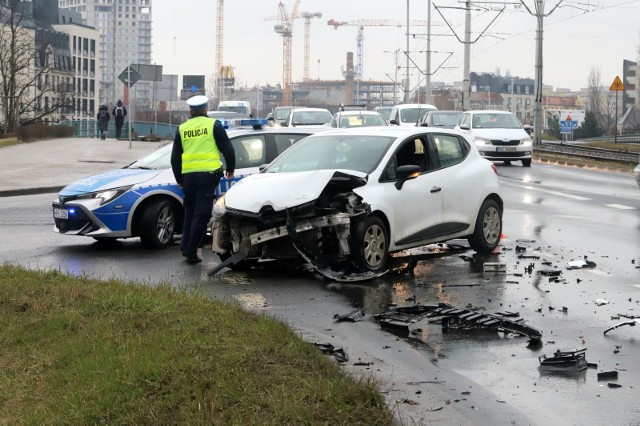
x: 488, y: 96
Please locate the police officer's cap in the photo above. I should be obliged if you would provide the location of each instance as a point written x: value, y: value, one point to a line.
x: 198, y: 102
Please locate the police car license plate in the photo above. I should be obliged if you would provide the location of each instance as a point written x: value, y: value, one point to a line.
x: 505, y: 149
x: 60, y: 213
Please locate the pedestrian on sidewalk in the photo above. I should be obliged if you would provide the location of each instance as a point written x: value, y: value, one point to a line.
x: 103, y: 118
x: 197, y: 167
x: 119, y: 113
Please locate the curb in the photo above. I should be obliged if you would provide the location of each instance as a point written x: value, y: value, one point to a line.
x: 30, y: 191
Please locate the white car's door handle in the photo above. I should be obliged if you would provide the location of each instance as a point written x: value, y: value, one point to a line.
x: 436, y: 189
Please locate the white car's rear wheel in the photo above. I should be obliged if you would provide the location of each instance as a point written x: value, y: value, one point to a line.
x: 486, y: 235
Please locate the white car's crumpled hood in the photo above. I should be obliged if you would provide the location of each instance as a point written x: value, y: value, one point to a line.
x: 280, y: 190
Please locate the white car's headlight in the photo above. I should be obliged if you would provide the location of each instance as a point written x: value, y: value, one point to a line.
x: 482, y: 141
x: 219, y: 208
x: 107, y: 195
x: 526, y: 142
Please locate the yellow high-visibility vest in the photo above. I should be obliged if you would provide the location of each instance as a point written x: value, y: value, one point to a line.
x: 199, y: 149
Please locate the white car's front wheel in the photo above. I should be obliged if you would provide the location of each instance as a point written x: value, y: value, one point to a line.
x: 371, y: 244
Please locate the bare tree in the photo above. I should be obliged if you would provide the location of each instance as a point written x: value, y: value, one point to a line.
x: 594, y: 89
x: 35, y: 80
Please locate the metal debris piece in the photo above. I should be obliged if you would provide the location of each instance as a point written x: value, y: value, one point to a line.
x: 606, y: 375
x: 632, y: 323
x: 580, y: 264
x: 338, y: 353
x: 352, y: 316
x: 495, y: 267
x: 550, y: 272
x: 340, y: 276
x: 564, y: 361
x: 601, y: 302
x: 528, y: 256
x: 399, y: 319
x: 435, y: 408
x: 614, y: 385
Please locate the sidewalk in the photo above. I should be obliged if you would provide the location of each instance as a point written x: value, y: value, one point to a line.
x: 47, y: 166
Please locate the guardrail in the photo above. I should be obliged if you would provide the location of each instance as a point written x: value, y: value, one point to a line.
x: 619, y: 139
x: 88, y: 128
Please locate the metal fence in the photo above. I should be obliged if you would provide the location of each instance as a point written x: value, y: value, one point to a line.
x: 88, y: 128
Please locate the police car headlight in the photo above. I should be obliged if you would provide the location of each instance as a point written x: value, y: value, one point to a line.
x: 107, y: 195
x: 219, y: 208
x: 481, y: 141
x: 526, y: 142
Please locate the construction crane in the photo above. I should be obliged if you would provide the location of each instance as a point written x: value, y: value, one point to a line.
x: 219, y: 46
x: 361, y: 23
x: 285, y: 29
x: 307, y: 40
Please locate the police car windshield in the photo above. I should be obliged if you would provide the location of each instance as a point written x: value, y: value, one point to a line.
x: 157, y: 160
x: 327, y: 152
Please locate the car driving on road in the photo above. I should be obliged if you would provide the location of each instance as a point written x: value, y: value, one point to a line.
x: 143, y: 199
x: 445, y: 119
x: 499, y: 135
x: 345, y: 199
x: 345, y: 119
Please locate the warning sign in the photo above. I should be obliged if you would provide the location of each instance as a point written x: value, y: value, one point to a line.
x: 617, y: 85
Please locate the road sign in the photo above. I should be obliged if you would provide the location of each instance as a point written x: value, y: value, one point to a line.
x: 129, y: 76
x: 566, y: 126
x: 617, y: 85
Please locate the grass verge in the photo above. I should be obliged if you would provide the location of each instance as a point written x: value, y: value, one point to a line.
x: 84, y: 351
x: 9, y: 142
x: 584, y: 163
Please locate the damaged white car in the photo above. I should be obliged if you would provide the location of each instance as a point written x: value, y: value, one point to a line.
x: 344, y: 200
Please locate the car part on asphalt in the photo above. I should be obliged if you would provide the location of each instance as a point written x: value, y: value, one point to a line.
x: 338, y: 353
x: 631, y: 323
x: 399, y: 319
x: 606, y: 375
x: 564, y: 361
x: 353, y: 316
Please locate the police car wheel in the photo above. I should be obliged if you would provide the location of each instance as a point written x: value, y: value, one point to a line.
x: 158, y: 223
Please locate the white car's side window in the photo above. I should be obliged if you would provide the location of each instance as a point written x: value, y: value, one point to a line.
x: 449, y: 150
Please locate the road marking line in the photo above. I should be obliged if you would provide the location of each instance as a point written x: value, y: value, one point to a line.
x: 620, y: 206
x: 548, y: 191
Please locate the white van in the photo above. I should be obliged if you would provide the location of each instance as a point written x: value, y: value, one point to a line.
x: 409, y: 114
x: 242, y: 107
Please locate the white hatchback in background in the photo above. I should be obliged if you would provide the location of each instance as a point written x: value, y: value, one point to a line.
x: 409, y: 114
x: 499, y: 135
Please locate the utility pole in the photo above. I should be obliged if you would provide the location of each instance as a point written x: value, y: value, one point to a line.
x: 427, y: 83
x: 406, y: 81
x: 395, y: 80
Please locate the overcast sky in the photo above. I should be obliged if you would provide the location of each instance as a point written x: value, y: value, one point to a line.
x: 575, y: 41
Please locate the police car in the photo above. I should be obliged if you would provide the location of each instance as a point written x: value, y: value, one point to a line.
x: 144, y: 200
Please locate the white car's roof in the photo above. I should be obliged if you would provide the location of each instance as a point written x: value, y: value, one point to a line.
x: 490, y: 111
x: 392, y: 131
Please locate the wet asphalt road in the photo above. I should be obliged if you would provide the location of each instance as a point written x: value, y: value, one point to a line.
x: 555, y: 214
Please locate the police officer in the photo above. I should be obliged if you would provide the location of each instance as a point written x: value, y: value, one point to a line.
x: 196, y: 164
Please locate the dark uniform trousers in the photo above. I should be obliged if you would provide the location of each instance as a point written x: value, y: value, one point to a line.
x: 199, y: 195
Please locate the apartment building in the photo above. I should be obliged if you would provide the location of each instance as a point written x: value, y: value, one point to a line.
x: 125, y: 38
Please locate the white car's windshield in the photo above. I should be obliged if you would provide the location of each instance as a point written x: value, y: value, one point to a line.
x: 322, y: 152
x: 495, y: 121
x: 445, y: 118
x: 413, y: 115
x: 305, y: 118
x: 360, y: 120
x: 157, y: 160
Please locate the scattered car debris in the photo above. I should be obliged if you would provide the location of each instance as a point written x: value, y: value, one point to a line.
x: 565, y: 361
x: 408, y: 401
x: 353, y: 316
x: 399, y: 319
x: 607, y: 375
x: 580, y: 264
x: 338, y: 353
x: 495, y: 267
x: 528, y: 256
x: 550, y: 272
x: 632, y: 323
x: 614, y: 385
x: 438, y: 408
x: 601, y: 302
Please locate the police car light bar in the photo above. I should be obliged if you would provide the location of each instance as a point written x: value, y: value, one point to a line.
x: 256, y: 123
